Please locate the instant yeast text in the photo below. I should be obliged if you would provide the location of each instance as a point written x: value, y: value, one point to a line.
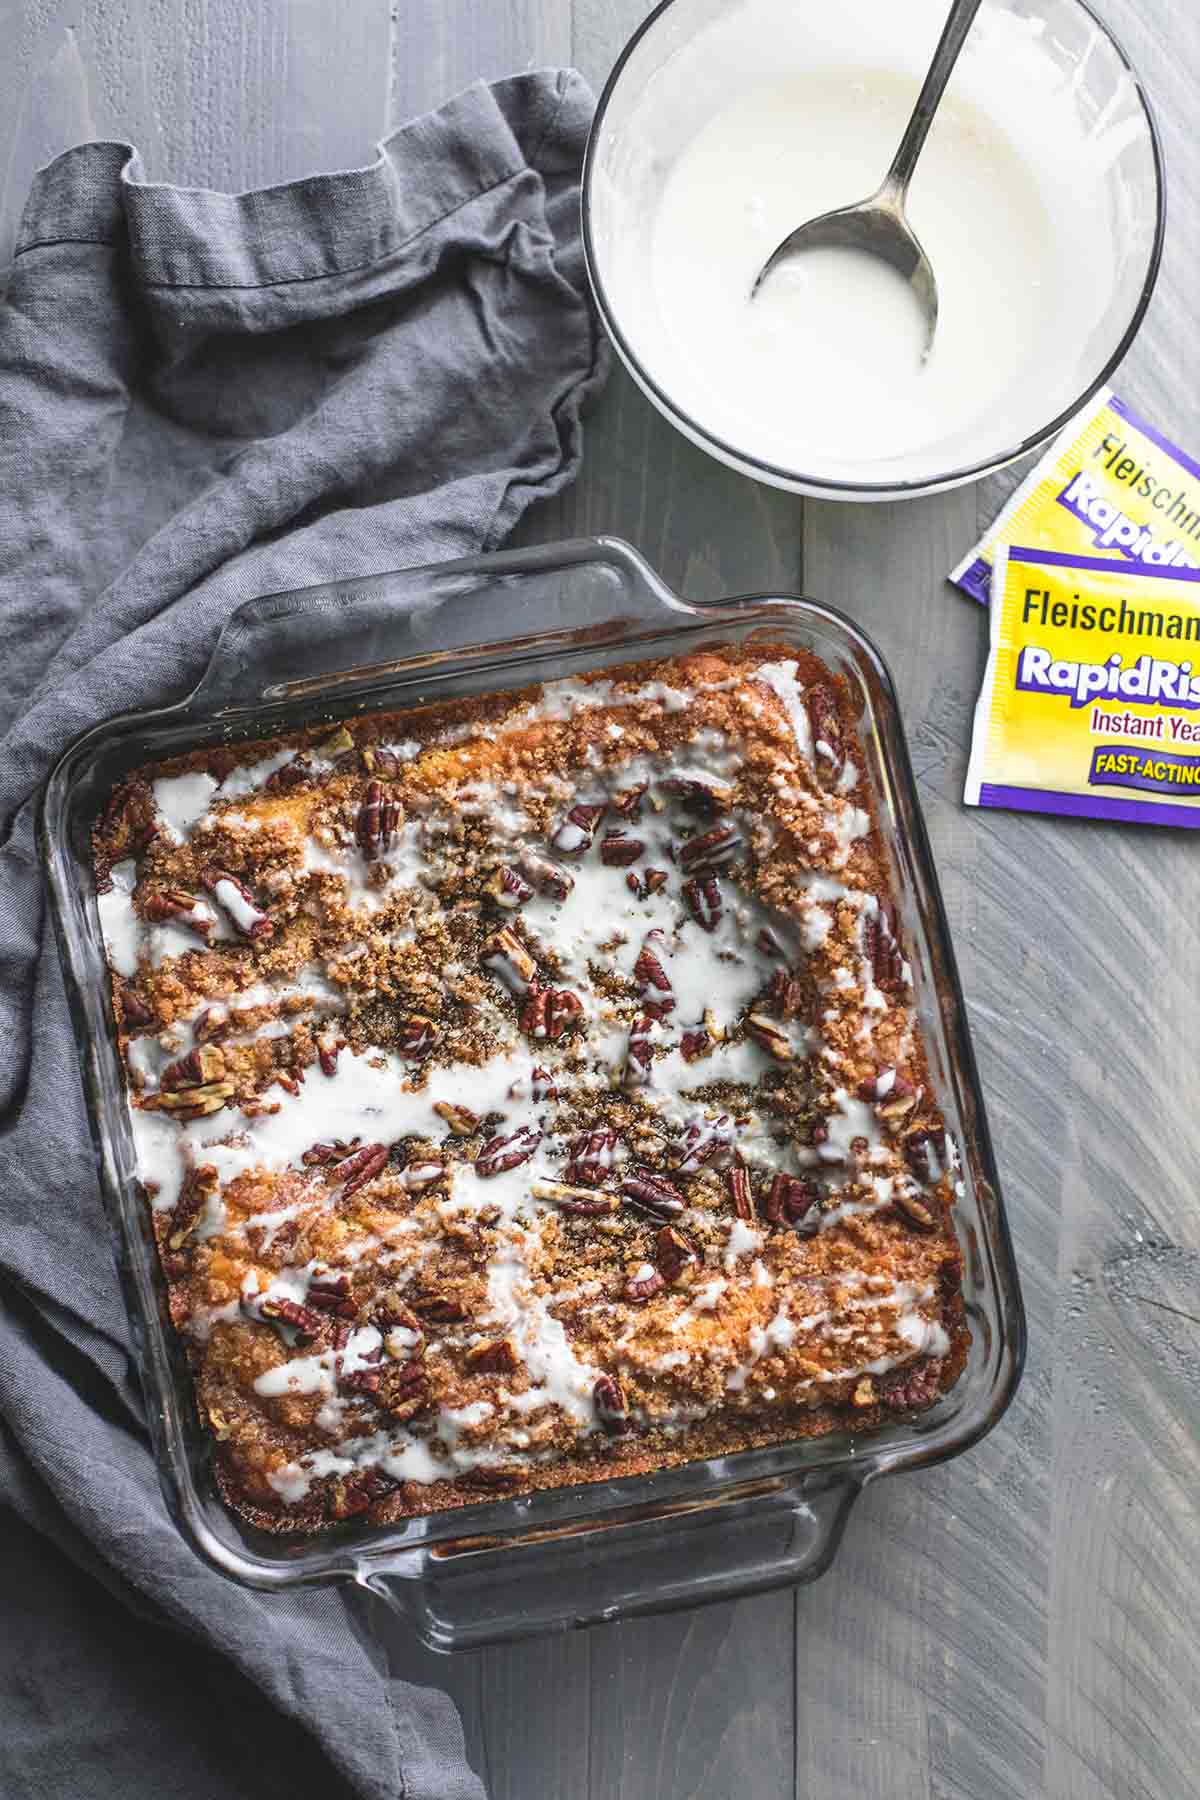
x: 1091, y: 700
x: 1109, y: 485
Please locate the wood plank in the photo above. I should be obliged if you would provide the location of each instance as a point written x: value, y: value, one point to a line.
x: 214, y: 95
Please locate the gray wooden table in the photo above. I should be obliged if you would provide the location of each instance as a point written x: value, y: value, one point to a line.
x: 1020, y: 1625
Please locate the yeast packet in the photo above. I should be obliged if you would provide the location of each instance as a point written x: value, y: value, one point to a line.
x: 1109, y: 485
x: 1091, y: 699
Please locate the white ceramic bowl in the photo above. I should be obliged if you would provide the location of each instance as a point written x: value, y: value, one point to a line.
x: 691, y: 57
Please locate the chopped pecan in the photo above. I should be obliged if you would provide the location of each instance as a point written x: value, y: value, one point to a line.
x: 292, y: 775
x: 886, y: 1085
x: 654, y: 880
x: 673, y: 1253
x: 438, y: 1308
x: 281, y: 1311
x: 461, y: 1120
x: 644, y: 1284
x: 917, y: 1385
x: 506, y: 956
x: 925, y: 1154
x: 405, y: 1391
x: 695, y: 1043
x: 192, y: 1102
x: 392, y: 1314
x: 365, y: 1380
x: 915, y: 1211
x: 864, y: 1392
x: 882, y: 948
x: 211, y: 1022
x: 704, y: 796
x: 420, y: 1175
x: 357, y: 1493
x: 652, y: 1191
x: 740, y: 1191
x: 363, y: 1166
x: 592, y: 1155
x: 318, y: 1156
x: 789, y: 1198
x: 628, y: 803
x: 704, y: 901
x: 330, y: 1291
x: 639, y: 1053
x: 377, y: 820
x: 583, y: 1202
x: 178, y: 907
x: 649, y: 971
x: 826, y: 724
x: 609, y: 1401
x: 542, y: 1086
x: 235, y: 898
x: 547, y: 877
x: 509, y: 888
x: 199, y: 1187
x: 496, y: 1357
x: 710, y: 849
x: 770, y: 1036
x: 379, y: 761
x: 769, y: 943
x: 704, y: 1141
x: 563, y: 1010
x: 336, y: 744
x: 786, y: 994
x: 128, y: 821
x: 618, y: 849
x: 329, y: 1046
x: 577, y: 830
x: 204, y: 1063
x: 134, y: 1010
x: 416, y: 1035
x: 500, y: 1154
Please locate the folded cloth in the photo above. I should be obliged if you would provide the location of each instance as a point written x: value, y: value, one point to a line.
x: 205, y: 397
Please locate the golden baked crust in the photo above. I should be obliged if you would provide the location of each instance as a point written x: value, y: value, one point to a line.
x: 527, y: 1089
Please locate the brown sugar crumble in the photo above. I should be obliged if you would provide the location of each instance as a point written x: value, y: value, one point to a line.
x: 528, y: 1091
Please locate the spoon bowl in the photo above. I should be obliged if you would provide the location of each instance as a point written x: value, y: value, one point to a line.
x: 879, y: 225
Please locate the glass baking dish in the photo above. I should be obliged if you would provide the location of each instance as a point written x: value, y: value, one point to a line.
x: 711, y: 1529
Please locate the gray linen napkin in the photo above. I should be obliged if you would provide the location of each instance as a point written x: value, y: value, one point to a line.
x: 203, y: 398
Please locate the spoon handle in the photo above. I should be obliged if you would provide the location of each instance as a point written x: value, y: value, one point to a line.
x: 954, y: 32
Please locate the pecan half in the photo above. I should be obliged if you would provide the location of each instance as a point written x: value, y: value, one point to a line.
x: 190, y: 1103
x: 703, y: 796
x: 319, y: 1156
x: 582, y: 1202
x: 628, y: 803
x: 363, y: 1166
x: 281, y: 1311
x: 509, y: 888
x: 577, y: 830
x: 177, y: 907
x: 609, y: 1401
x: 563, y: 1011
x: 416, y: 1035
x: 461, y: 1120
x: 235, y: 898
x: 439, y: 1309
x: 134, y: 1010
x: 292, y: 775
x: 643, y: 1285
x: 592, y: 1155
x: 377, y: 820
x: 915, y: 1211
x: 329, y: 1290
x: 500, y: 1154
x: 405, y: 1391
x: 497, y: 1357
x: 770, y: 1037
x: 711, y: 849
x: 547, y: 877
x: 786, y: 994
x: 378, y: 761
x: 740, y: 1191
x: 704, y: 1141
x: 618, y: 849
x: 826, y: 725
x: 882, y: 948
x: 649, y: 971
x: 673, y: 1253
x: 704, y: 901
x: 652, y: 1191
x: 506, y: 956
x: 789, y: 1199
x: 639, y: 1052
x: 925, y: 1154
x: 199, y: 1186
x: 204, y: 1063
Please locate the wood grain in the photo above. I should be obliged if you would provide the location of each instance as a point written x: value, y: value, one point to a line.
x: 1019, y: 1624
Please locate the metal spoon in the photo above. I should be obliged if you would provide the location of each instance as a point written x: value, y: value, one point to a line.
x: 879, y: 225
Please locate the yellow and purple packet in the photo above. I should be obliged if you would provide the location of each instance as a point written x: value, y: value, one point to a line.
x: 1110, y: 485
x: 1091, y: 699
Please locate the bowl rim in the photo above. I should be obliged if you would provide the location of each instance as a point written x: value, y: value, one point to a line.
x: 823, y: 486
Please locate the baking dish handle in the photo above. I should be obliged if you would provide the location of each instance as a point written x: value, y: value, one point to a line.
x: 477, y: 1591
x: 372, y: 629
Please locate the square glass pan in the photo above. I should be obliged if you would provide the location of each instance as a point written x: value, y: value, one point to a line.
x: 516, y: 1566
